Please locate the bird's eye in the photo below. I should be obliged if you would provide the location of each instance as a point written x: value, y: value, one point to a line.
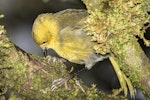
x: 43, y: 42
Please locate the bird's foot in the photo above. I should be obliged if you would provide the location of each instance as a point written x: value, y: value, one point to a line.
x: 55, y: 59
x: 59, y: 82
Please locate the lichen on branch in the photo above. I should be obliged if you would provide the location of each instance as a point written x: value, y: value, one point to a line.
x: 114, y: 25
x: 119, y: 18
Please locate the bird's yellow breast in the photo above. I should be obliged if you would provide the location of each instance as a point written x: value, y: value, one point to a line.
x: 74, y: 45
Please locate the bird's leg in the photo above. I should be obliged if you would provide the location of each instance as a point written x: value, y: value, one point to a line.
x: 124, y: 81
x: 59, y: 82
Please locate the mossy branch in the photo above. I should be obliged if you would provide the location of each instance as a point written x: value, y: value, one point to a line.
x: 114, y: 25
x: 29, y: 77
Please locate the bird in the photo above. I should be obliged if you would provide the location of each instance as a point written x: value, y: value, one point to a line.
x: 65, y: 33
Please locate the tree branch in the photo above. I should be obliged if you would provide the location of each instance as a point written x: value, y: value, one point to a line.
x: 29, y: 77
x: 114, y: 24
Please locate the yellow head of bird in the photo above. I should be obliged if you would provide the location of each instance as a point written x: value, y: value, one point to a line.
x: 45, y: 30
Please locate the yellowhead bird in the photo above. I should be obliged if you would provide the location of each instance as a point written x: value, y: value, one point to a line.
x: 64, y: 33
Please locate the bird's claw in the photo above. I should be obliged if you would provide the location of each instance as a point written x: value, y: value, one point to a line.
x: 56, y: 84
x: 55, y: 59
x: 59, y: 82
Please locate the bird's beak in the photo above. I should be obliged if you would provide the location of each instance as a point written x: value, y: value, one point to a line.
x: 45, y: 52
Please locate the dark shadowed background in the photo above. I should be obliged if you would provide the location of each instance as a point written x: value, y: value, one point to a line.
x: 18, y: 20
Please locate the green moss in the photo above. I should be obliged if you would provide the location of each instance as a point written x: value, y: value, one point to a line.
x: 119, y: 19
x: 114, y: 24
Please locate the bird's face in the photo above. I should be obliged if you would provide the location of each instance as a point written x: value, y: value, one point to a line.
x: 45, y: 31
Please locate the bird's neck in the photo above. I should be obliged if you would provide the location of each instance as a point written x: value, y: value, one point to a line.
x: 56, y: 43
